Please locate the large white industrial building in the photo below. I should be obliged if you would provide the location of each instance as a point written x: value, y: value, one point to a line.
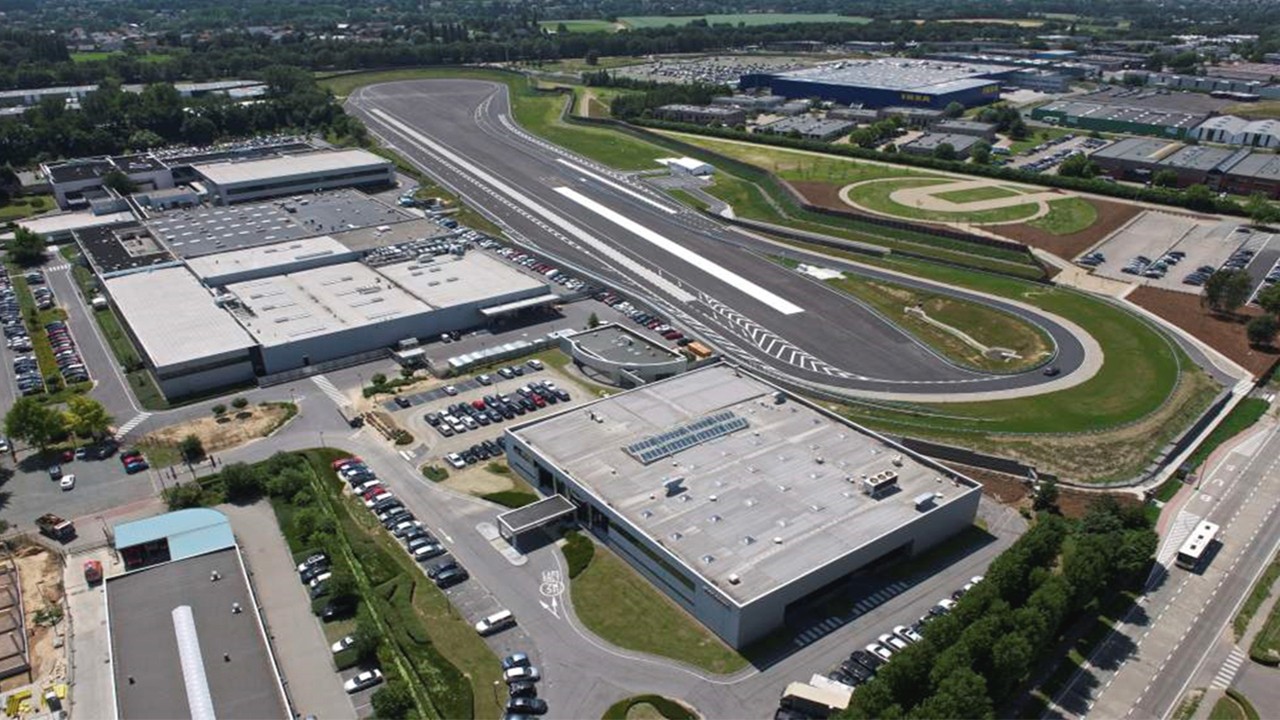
x: 735, y: 498
x: 231, y: 182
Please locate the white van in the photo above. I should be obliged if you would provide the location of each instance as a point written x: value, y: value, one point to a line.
x: 498, y: 621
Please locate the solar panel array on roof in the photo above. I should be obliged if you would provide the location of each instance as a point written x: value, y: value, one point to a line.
x: 684, y: 437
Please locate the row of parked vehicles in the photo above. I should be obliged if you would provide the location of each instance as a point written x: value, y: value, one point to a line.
x: 531, y: 262
x: 65, y: 353
x: 641, y: 317
x: 522, y: 687
x: 862, y: 665
x: 1146, y: 267
x: 26, y: 370
x: 493, y: 409
x: 399, y: 521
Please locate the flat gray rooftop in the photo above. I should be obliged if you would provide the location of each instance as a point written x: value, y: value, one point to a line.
x: 174, y: 317
x: 266, y: 257
x: 618, y: 344
x: 207, y: 230
x: 449, y: 280
x: 1125, y: 113
x: 1257, y: 165
x: 769, y: 502
x: 248, y: 172
x: 147, y: 669
x: 376, y: 236
x: 1136, y: 149
x: 311, y: 303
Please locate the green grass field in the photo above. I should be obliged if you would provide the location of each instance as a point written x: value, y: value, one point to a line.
x: 977, y: 194
x: 735, y: 19
x: 987, y: 326
x: 26, y: 206
x: 94, y: 56
x: 614, y: 602
x: 1067, y: 216
x: 798, y: 164
x: 1257, y: 596
x: 875, y: 196
x: 1037, y: 136
x: 580, y: 26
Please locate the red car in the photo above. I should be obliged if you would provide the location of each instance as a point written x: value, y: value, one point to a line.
x: 477, y: 404
x: 131, y: 457
x: 371, y: 492
x: 537, y: 400
x: 337, y: 464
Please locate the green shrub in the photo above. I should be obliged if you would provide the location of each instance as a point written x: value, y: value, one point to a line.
x: 578, y: 551
x: 511, y: 498
x: 669, y: 709
x: 435, y: 473
x: 403, y: 437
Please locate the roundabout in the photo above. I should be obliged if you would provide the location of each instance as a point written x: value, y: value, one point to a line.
x: 945, y: 200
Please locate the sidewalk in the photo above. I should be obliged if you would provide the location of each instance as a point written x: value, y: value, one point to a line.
x: 1211, y: 463
x: 1255, y: 681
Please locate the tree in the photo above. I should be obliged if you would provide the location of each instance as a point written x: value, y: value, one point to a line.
x: 1261, y: 210
x: 1262, y: 330
x: 36, y: 424
x: 945, y: 151
x: 198, y: 130
x: 592, y: 58
x: 953, y: 110
x: 1226, y: 290
x: 392, y: 701
x: 342, y: 587
x: 1046, y: 497
x: 240, y: 403
x: 86, y: 417
x: 1078, y: 166
x: 27, y: 247
x: 365, y: 639
x: 144, y: 140
x: 287, y: 483
x: 593, y: 320
x: 219, y: 410
x: 241, y: 482
x: 1198, y: 197
x: 1165, y: 178
x: 1269, y: 299
x: 191, y: 447
x: 118, y: 181
x: 981, y: 152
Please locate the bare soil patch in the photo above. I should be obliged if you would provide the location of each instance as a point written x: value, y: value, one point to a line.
x: 1223, y: 333
x: 1015, y: 492
x: 823, y: 194
x: 477, y: 480
x: 40, y: 574
x: 236, y: 428
x: 1111, y: 215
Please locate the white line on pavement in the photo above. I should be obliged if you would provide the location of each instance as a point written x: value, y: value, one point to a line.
x: 713, y: 269
x: 616, y: 186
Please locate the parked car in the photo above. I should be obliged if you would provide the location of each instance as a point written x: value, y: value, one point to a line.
x: 343, y: 644
x: 449, y: 578
x: 527, y: 705
x: 524, y: 673
x: 363, y: 681
x: 496, y: 622
x: 313, y: 561
x: 515, y: 660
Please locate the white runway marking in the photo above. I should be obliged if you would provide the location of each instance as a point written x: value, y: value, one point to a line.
x: 715, y: 270
x: 616, y: 186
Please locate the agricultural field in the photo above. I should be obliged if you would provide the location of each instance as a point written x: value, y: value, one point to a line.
x: 581, y: 26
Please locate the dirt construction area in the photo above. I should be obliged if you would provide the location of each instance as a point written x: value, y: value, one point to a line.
x: 1224, y: 333
x: 1111, y: 215
x: 40, y: 579
x: 235, y: 428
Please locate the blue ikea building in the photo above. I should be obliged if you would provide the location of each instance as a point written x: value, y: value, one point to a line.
x: 887, y: 82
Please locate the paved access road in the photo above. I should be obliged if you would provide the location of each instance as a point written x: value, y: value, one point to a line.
x: 1143, y: 668
x: 592, y: 218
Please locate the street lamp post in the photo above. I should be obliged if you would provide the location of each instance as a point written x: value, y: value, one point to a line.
x: 322, y: 439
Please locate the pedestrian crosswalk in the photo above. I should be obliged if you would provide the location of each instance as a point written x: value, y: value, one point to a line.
x: 1178, y: 532
x: 864, y: 605
x: 57, y: 268
x: 1228, y: 671
x: 133, y: 423
x: 328, y: 388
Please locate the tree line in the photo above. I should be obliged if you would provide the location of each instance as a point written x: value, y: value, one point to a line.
x: 976, y: 659
x: 113, y: 121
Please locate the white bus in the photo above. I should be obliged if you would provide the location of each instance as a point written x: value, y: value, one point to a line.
x: 1193, y: 550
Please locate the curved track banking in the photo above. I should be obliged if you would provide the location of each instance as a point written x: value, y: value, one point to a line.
x: 591, y: 218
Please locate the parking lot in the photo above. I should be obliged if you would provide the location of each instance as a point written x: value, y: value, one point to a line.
x: 1141, y: 251
x: 429, y: 545
x: 1046, y: 156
